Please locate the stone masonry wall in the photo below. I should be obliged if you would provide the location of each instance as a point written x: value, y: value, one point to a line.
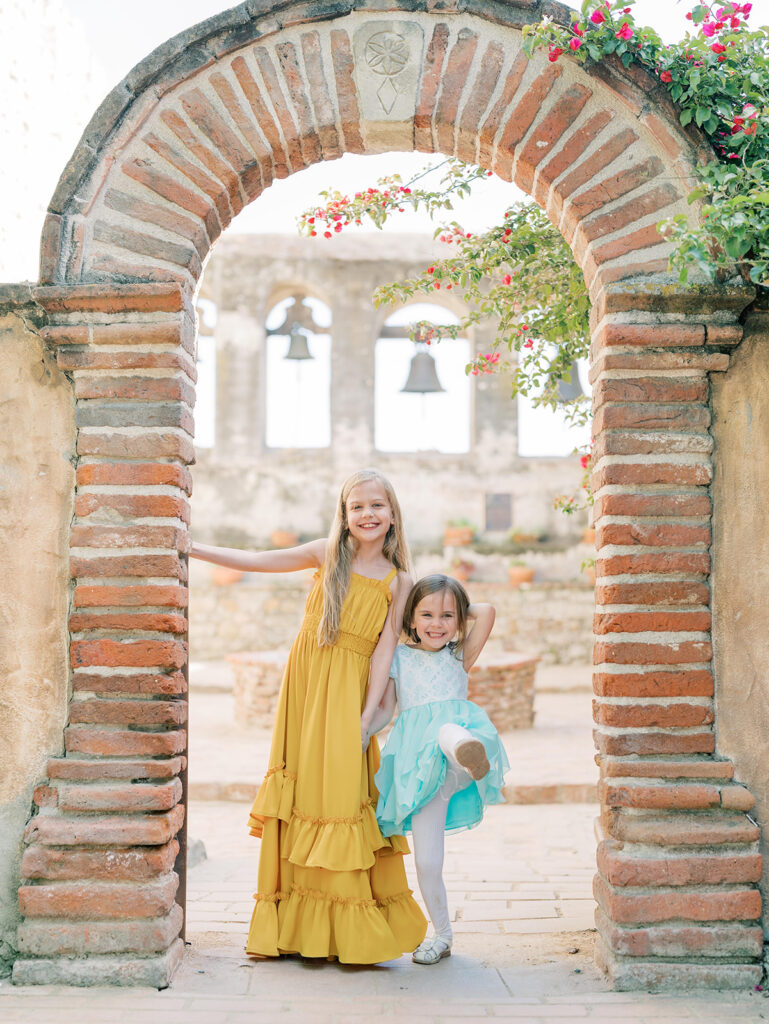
x: 245, y: 489
x: 261, y: 613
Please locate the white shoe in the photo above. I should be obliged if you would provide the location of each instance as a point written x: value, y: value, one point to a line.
x: 471, y: 754
x: 431, y: 951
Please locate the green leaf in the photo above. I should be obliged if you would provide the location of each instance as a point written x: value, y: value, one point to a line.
x: 685, y: 116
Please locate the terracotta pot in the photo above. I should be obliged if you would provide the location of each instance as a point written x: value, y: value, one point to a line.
x: 518, y: 574
x: 458, y: 536
x: 223, y: 576
x: 284, y: 539
x: 588, y: 537
x: 524, y: 538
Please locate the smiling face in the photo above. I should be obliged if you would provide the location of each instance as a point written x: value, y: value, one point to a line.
x: 435, y: 620
x: 368, y: 512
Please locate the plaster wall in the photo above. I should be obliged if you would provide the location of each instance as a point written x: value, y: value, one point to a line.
x: 37, y: 443
x: 741, y: 567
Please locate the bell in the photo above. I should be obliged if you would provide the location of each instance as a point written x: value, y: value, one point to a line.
x: 569, y: 388
x: 423, y: 378
x: 297, y: 344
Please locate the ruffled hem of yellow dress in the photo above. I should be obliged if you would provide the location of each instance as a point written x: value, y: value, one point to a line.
x: 355, y: 930
x: 336, y: 844
x: 275, y: 799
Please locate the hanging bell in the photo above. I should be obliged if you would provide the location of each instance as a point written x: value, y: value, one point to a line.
x: 423, y: 377
x: 569, y: 388
x: 297, y: 344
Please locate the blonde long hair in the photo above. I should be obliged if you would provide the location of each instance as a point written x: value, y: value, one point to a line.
x: 340, y: 552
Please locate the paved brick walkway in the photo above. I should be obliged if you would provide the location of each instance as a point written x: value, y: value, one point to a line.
x: 520, y: 891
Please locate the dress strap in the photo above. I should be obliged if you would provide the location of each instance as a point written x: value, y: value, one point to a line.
x: 390, y: 576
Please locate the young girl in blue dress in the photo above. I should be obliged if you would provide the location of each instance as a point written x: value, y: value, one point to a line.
x: 443, y: 760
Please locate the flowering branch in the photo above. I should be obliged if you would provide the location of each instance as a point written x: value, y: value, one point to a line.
x: 519, y: 273
x: 719, y: 77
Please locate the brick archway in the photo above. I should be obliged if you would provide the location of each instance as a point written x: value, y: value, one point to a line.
x: 194, y: 133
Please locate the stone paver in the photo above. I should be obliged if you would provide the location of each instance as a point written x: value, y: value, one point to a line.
x: 529, y: 970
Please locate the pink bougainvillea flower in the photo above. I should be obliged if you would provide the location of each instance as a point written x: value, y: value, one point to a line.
x: 718, y: 47
x: 577, y: 30
x: 721, y: 58
x: 506, y: 279
x: 528, y: 344
x: 327, y: 234
x: 584, y: 461
x: 749, y: 111
x: 625, y: 32
x: 709, y: 28
x: 575, y: 43
x: 598, y: 17
x: 751, y: 129
x: 666, y: 76
x: 554, y: 53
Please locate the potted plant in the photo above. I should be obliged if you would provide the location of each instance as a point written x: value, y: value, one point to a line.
x: 461, y: 569
x: 223, y: 575
x: 458, y: 533
x: 588, y: 568
x: 518, y: 572
x: 284, y: 539
x: 525, y: 535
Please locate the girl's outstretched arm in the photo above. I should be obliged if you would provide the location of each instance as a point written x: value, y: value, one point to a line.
x: 381, y: 659
x: 483, y: 616
x: 304, y: 556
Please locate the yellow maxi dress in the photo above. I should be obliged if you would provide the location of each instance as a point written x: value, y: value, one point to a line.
x: 330, y: 885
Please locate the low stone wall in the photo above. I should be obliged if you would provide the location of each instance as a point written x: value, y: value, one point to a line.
x: 502, y: 685
x: 258, y: 675
x: 263, y: 613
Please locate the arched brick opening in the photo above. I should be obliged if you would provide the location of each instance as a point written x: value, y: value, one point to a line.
x: 188, y: 138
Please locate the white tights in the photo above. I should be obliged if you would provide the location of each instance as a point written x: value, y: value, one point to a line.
x: 428, y: 831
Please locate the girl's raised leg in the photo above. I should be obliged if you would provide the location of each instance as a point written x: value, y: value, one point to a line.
x: 463, y: 750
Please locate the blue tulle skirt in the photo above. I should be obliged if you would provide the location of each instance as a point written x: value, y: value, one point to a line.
x: 413, y: 767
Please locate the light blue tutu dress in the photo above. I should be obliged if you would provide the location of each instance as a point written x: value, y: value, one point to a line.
x: 432, y: 690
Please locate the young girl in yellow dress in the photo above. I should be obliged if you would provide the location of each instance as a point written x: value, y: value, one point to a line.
x: 329, y: 884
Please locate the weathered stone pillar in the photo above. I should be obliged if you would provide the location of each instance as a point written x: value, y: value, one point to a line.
x: 353, y: 336
x: 104, y: 852
x: 678, y: 861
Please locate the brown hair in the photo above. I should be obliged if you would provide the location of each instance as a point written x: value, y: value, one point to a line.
x: 340, y: 552
x: 433, y: 584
